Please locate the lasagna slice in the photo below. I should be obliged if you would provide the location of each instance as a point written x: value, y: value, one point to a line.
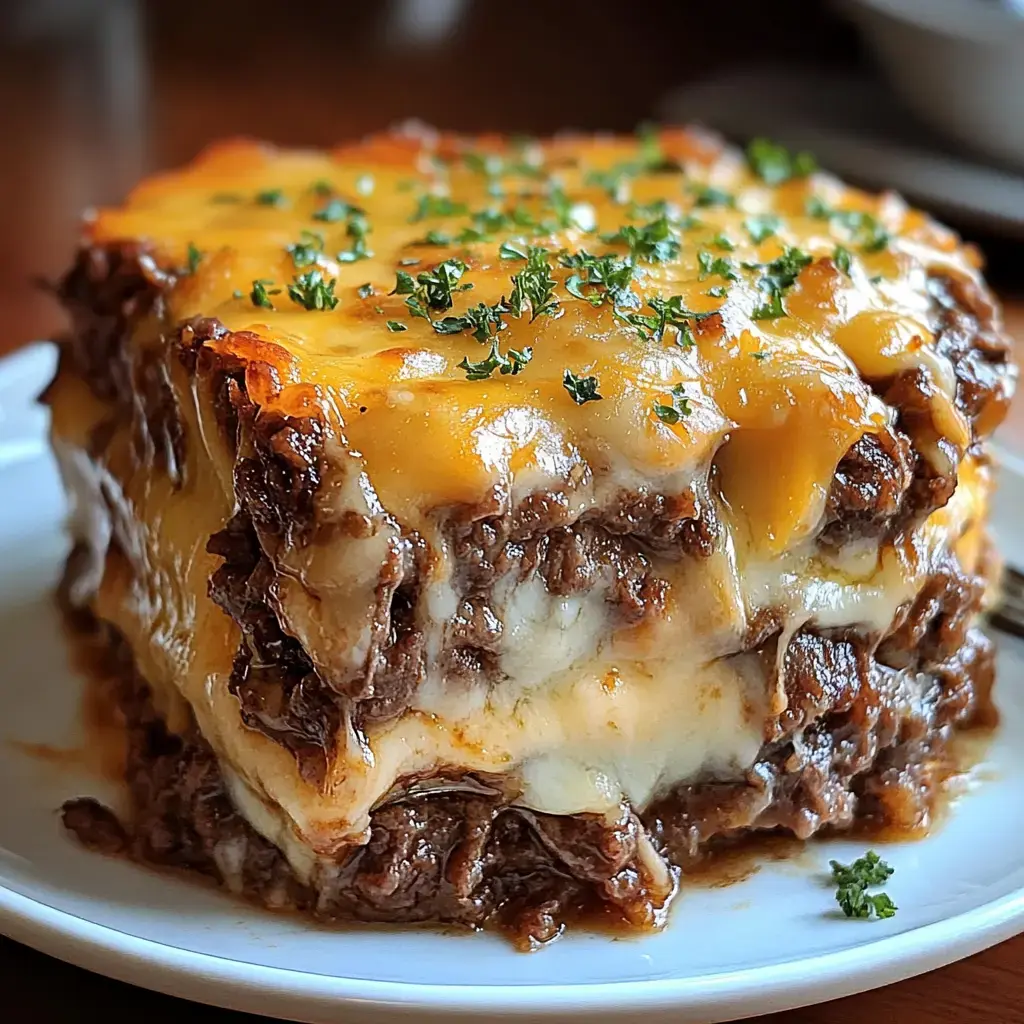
x: 487, y: 532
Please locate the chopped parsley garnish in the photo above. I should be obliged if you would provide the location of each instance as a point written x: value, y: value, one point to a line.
x: 431, y: 289
x: 357, y: 229
x: 534, y: 285
x: 762, y: 226
x: 668, y: 313
x: 842, y: 258
x: 567, y: 213
x: 609, y: 275
x: 653, y: 243
x: 436, y: 206
x: 581, y: 389
x: 615, y: 181
x: 680, y: 406
x: 774, y: 164
x: 364, y: 291
x: 193, y: 258
x: 312, y: 291
x: 434, y: 237
x: 308, y: 251
x: 489, y: 164
x: 394, y: 326
x: 512, y: 363
x: 722, y: 241
x: 865, y: 228
x: 322, y: 187
x: 662, y: 208
x: 782, y: 272
x: 852, y: 882
x: 653, y: 159
x: 772, y: 309
x: 484, y: 321
x: 260, y: 294
x: 718, y: 291
x: 335, y: 210
x: 270, y: 197
x: 709, y: 195
x: 776, y: 279
x: 512, y: 251
x: 717, y: 266
x: 817, y: 207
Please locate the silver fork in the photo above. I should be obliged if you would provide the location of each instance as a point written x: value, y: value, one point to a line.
x: 1008, y: 615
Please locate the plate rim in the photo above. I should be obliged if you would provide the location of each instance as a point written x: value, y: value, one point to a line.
x: 763, y: 989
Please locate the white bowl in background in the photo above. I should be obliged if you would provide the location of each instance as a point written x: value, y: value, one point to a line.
x: 958, y: 64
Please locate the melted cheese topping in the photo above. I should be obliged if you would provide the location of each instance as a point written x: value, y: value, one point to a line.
x: 787, y: 393
x: 584, y: 715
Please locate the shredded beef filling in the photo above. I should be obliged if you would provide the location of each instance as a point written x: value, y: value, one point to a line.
x: 863, y: 738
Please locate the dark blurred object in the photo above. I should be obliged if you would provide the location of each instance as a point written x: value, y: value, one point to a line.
x: 958, y: 64
x: 94, y: 93
x: 857, y: 128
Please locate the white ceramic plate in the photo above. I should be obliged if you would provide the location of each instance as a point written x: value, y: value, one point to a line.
x: 773, y: 941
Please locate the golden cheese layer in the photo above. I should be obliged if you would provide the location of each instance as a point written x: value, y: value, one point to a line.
x: 731, y: 358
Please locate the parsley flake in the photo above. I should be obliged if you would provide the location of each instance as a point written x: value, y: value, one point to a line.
x: 193, y: 258
x: 609, y: 275
x: 335, y: 210
x: 512, y: 251
x: 534, y: 285
x: 312, y: 291
x: 668, y: 313
x: 680, y: 406
x: 866, y: 230
x: 308, y: 251
x: 852, y: 882
x: 512, y: 363
x: 431, y: 289
x: 774, y: 164
x: 777, y: 278
x: 717, y: 266
x: 762, y: 226
x: 842, y: 258
x: 581, y: 389
x: 653, y: 243
x: 436, y: 206
x: 357, y: 229
x: 364, y: 291
x: 709, y: 195
x: 270, y: 197
x: 260, y: 294
x: 394, y: 326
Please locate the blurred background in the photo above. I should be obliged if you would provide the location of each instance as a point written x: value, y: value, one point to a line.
x: 94, y: 93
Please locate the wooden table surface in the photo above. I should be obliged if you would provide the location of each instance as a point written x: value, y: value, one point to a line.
x: 87, y: 106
